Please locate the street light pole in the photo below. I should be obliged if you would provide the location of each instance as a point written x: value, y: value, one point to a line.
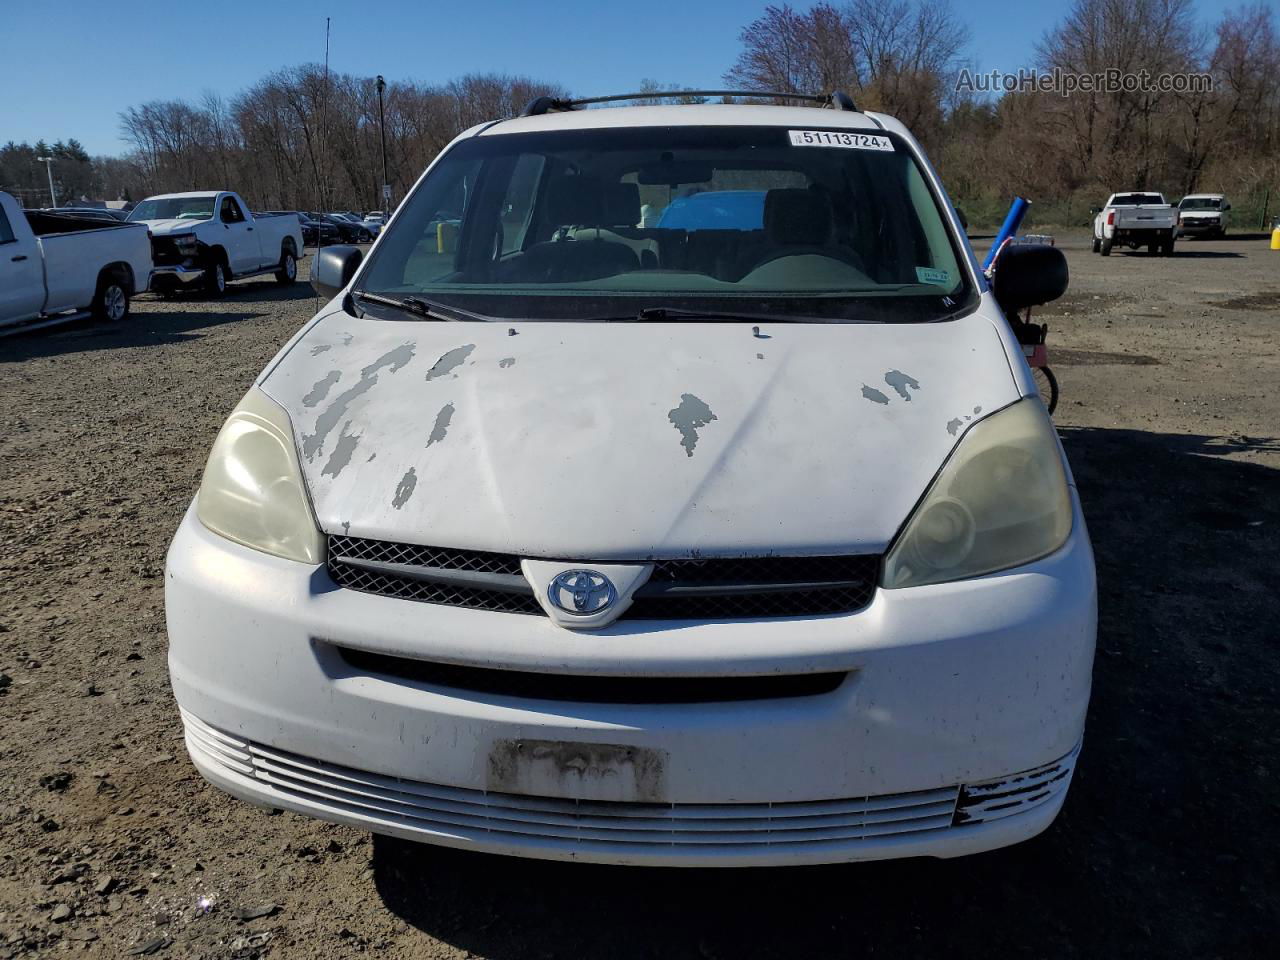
x: 48, y: 166
x: 382, y: 128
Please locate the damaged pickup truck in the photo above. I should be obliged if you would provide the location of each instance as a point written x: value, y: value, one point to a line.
x: 560, y: 532
x: 208, y: 238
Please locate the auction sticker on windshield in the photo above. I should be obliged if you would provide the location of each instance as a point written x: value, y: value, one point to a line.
x: 838, y: 138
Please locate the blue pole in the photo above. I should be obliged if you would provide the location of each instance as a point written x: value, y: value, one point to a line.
x: 1010, y: 227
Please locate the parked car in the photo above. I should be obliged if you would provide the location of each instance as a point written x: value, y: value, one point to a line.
x: 57, y: 266
x: 1135, y: 220
x: 209, y: 238
x: 91, y: 213
x: 351, y: 229
x: 760, y: 551
x: 319, y: 232
x: 1203, y: 215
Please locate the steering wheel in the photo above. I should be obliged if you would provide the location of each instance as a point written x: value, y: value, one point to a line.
x: 839, y: 254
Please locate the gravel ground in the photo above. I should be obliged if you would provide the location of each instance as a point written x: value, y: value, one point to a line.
x: 111, y: 845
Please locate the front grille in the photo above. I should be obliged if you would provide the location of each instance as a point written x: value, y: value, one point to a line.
x: 756, y: 587
x: 577, y: 688
x: 345, y: 574
x: 688, y: 589
x: 164, y: 252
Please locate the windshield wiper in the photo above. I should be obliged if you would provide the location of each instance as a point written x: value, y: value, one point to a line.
x: 661, y: 314
x: 421, y: 307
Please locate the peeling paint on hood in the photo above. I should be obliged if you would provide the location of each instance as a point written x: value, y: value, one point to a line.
x: 691, y: 415
x: 630, y: 441
x: 450, y: 361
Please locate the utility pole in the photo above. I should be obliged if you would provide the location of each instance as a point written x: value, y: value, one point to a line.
x: 382, y: 128
x: 48, y: 166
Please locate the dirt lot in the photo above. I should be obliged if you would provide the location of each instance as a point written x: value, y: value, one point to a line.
x: 110, y: 844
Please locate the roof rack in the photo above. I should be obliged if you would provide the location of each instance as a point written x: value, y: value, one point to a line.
x: 837, y: 100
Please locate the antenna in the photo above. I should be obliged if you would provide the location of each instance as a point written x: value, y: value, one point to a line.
x: 324, y: 142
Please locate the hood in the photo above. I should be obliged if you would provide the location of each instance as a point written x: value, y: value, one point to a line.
x: 163, y: 228
x: 631, y: 441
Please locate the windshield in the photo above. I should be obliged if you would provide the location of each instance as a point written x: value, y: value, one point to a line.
x: 600, y: 224
x: 175, y: 208
x: 1136, y: 199
x: 1200, y: 203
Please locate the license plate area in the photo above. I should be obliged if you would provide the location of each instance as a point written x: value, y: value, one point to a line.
x: 578, y: 771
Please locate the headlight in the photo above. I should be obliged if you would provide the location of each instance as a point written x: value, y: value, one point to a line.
x: 252, y: 489
x: 1000, y: 501
x: 186, y: 244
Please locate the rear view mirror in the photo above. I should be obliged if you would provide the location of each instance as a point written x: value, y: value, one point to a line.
x: 1029, y: 275
x: 672, y: 172
x: 333, y: 268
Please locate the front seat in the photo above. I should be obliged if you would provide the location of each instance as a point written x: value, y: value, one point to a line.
x: 798, y: 222
x: 573, y: 203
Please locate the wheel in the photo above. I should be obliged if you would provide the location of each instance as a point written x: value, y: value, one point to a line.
x: 1154, y: 246
x: 1047, y: 383
x: 215, y: 279
x: 288, y: 271
x: 1105, y: 248
x: 1097, y: 244
x: 1166, y: 248
x: 112, y: 300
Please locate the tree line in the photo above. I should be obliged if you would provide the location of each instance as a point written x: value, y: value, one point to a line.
x: 306, y: 138
x: 1066, y: 153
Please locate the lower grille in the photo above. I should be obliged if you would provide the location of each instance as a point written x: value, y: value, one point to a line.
x: 585, y: 689
x: 571, y: 827
x: 983, y: 802
x: 685, y: 589
x: 479, y: 814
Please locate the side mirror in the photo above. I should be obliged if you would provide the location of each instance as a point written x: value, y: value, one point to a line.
x: 333, y: 268
x: 1226, y: 206
x: 1095, y: 210
x: 1029, y: 275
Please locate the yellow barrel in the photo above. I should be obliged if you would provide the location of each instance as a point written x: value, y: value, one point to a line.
x: 1275, y: 239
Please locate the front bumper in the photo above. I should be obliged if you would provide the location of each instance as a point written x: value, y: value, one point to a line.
x: 1187, y: 228
x: 162, y: 277
x: 955, y: 730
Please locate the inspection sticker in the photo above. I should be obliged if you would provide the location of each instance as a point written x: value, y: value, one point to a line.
x: 841, y: 138
x: 941, y: 278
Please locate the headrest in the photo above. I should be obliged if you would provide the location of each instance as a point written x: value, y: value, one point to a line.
x: 575, y: 201
x: 797, y: 216
x: 621, y: 205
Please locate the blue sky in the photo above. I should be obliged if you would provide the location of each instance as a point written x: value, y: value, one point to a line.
x: 108, y: 56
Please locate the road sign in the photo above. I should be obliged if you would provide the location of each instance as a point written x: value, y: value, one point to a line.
x: 386, y: 191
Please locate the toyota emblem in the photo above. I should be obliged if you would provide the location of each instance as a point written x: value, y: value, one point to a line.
x: 581, y: 592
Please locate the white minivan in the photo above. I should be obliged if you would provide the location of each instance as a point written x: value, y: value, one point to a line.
x: 739, y: 540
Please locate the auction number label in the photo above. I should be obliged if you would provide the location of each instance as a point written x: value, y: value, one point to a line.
x: 830, y: 138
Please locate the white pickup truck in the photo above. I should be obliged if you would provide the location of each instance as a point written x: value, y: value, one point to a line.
x: 1135, y: 220
x: 56, y: 267
x: 209, y: 238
